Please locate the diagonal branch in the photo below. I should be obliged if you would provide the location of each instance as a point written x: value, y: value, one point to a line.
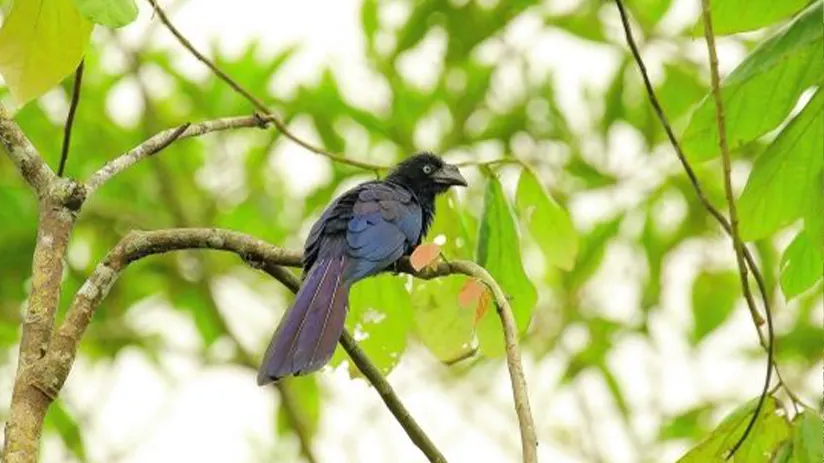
x: 163, y: 139
x: 24, y: 155
x: 736, y: 237
x: 256, y: 102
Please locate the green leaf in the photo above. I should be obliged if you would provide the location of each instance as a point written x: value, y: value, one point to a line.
x: 768, y: 433
x: 680, y: 90
x: 732, y: 16
x: 713, y: 299
x: 684, y: 425
x: 380, y: 318
x: 61, y: 421
x: 548, y: 223
x: 41, y: 42
x: 763, y: 89
x: 648, y: 12
x: 109, y: 13
x: 499, y: 252
x: 813, y: 217
x: 449, y: 222
x: 808, y: 439
x: 442, y: 325
x: 783, y: 178
x: 801, y: 266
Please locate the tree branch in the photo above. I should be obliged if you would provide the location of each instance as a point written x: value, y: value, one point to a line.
x: 257, y: 103
x: 67, y: 131
x: 259, y: 254
x: 741, y: 250
x: 720, y: 120
x: 24, y: 155
x: 58, y: 202
x: 163, y: 139
x: 529, y: 440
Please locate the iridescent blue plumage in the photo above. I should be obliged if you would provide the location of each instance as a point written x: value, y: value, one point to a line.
x: 363, y: 232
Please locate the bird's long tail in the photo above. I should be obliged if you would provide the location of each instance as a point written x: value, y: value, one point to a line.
x: 309, y: 331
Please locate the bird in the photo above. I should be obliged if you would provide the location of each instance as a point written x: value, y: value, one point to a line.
x: 363, y: 232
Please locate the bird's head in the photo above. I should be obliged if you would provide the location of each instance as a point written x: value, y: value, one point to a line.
x: 426, y: 173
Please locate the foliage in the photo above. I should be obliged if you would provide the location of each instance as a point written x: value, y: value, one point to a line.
x: 526, y: 231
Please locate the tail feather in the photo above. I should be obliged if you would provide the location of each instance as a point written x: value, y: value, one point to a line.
x: 309, y: 331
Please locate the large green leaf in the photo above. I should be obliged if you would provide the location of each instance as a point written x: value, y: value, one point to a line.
x: 110, y: 13
x: 770, y: 430
x: 813, y: 216
x: 499, y: 252
x: 380, y: 318
x: 548, y: 223
x: 713, y: 299
x: 801, y: 266
x: 783, y: 179
x: 441, y: 324
x: 449, y: 222
x: 763, y: 89
x: 731, y: 16
x: 808, y: 438
x: 41, y: 42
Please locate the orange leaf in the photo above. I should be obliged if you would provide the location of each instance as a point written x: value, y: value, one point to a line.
x: 483, y: 306
x: 475, y: 294
x: 471, y: 293
x: 424, y: 255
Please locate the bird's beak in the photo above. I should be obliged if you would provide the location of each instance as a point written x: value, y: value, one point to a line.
x: 449, y: 175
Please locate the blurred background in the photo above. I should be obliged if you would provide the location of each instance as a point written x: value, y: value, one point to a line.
x: 632, y: 355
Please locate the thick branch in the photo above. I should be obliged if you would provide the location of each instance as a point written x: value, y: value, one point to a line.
x: 24, y: 155
x: 736, y: 237
x: 29, y: 402
x: 163, y: 139
x: 257, y: 103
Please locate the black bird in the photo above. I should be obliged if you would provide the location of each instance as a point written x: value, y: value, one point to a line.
x: 362, y: 233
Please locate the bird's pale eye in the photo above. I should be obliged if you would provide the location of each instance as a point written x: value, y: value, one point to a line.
x: 427, y: 169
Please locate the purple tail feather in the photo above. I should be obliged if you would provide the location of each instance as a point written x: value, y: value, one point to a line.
x: 309, y: 331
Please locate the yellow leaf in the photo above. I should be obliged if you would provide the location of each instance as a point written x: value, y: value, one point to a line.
x: 41, y: 42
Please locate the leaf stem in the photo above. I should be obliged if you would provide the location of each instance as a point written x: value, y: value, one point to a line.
x: 67, y: 131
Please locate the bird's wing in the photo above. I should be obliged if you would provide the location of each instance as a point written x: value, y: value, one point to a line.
x: 384, y: 225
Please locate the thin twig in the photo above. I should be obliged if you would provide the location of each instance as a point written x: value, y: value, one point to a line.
x: 163, y: 139
x: 720, y: 120
x: 257, y: 103
x: 67, y: 130
x: 758, y: 320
